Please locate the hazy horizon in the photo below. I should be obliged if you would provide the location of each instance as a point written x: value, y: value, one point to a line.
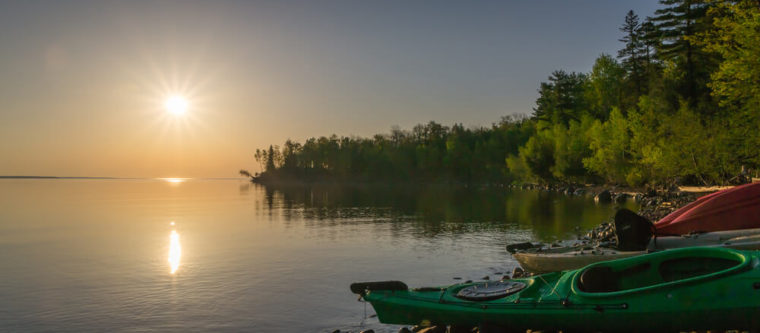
x: 85, y: 82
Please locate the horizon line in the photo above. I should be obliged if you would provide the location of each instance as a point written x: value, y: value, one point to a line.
x: 113, y: 178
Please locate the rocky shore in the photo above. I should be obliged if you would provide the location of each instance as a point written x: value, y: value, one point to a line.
x: 654, y: 203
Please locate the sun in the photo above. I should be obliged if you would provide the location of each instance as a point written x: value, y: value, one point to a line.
x: 176, y: 105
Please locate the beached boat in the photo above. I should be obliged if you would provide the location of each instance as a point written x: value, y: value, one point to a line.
x: 552, y: 259
x: 684, y: 289
x: 731, y: 209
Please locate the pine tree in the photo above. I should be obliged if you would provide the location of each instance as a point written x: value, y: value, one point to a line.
x: 649, y: 39
x: 676, y: 22
x: 633, y: 52
x: 561, y: 99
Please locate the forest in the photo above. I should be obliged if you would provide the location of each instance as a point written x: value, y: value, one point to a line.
x: 678, y: 104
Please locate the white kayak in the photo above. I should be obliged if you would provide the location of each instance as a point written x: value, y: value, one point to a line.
x: 544, y: 260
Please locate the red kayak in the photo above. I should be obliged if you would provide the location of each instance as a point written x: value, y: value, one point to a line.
x: 731, y: 209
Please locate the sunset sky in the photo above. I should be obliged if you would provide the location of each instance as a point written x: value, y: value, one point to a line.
x: 83, y: 85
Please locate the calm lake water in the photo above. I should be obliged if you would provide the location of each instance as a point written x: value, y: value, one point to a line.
x: 226, y: 255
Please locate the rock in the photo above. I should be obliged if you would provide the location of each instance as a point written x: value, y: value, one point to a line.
x: 457, y: 278
x: 336, y: 331
x: 603, y: 196
x: 404, y: 330
x: 638, y: 197
x: 468, y: 281
x: 433, y: 329
x: 518, y: 272
x: 579, y: 191
x: 461, y: 329
x: 485, y: 278
x: 368, y: 331
x: 621, y: 197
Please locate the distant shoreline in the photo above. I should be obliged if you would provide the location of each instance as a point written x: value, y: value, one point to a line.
x: 123, y: 178
x: 56, y: 177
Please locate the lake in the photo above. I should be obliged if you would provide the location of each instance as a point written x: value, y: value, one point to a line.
x: 226, y: 255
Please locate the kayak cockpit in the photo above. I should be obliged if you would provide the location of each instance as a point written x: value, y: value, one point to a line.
x: 655, y: 270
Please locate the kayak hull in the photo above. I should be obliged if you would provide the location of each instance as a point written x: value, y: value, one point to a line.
x: 566, y: 258
x: 723, y: 297
x: 731, y: 209
x: 610, y: 319
x: 562, y: 261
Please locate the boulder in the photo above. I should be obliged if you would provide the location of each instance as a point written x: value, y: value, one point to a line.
x: 603, y: 196
x: 518, y: 272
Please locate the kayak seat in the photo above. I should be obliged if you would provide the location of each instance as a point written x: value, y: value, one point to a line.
x: 599, y: 279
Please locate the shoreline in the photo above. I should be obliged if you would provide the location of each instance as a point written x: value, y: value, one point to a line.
x: 655, y: 203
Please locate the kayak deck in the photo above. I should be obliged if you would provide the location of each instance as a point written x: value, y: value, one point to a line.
x: 696, y: 288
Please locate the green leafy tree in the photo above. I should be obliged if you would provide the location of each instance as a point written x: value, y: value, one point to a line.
x: 537, y: 156
x: 571, y: 146
x: 610, y: 143
x: 605, y: 88
x: 735, y: 37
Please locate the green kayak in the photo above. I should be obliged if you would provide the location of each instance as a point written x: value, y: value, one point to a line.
x: 675, y: 290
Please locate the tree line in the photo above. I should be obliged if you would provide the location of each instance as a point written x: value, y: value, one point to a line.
x: 679, y: 102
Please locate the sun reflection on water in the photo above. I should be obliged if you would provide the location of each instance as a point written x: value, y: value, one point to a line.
x: 175, y: 251
x: 174, y: 180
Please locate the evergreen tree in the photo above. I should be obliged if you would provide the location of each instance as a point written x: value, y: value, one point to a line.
x: 633, y: 51
x: 561, y: 99
x: 678, y: 21
x: 650, y: 38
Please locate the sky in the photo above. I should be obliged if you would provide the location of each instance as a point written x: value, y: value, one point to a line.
x: 83, y: 83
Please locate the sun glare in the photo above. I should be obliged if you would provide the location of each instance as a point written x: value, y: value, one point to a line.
x: 176, y: 105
